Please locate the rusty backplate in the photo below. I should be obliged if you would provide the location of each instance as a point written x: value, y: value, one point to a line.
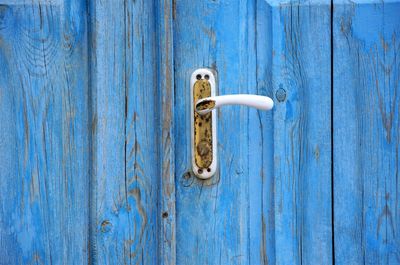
x: 203, y: 149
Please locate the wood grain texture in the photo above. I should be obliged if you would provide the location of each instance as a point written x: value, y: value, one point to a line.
x: 366, y: 131
x: 301, y: 56
x: 44, y: 133
x: 270, y: 202
x: 125, y: 152
x: 95, y: 140
x: 261, y: 144
x: 109, y: 200
x: 166, y: 141
x: 212, y: 220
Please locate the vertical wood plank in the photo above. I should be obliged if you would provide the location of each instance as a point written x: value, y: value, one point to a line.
x: 44, y: 132
x: 261, y: 145
x: 125, y: 162
x: 141, y: 129
x: 366, y: 131
x: 301, y: 78
x: 166, y: 85
x: 212, y: 221
x: 109, y: 201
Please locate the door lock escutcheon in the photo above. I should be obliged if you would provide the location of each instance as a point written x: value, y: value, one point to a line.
x: 204, y: 137
x: 204, y: 102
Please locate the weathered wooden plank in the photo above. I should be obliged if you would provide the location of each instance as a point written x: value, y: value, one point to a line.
x: 141, y: 131
x: 212, y: 221
x: 366, y: 131
x: 44, y: 132
x: 125, y: 158
x: 109, y: 200
x: 299, y: 35
x: 261, y: 142
x: 166, y: 141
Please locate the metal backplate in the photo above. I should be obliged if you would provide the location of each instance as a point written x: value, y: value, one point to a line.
x: 204, y: 140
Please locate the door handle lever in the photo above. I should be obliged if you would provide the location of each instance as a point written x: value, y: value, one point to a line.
x: 206, y: 105
x: 203, y: 102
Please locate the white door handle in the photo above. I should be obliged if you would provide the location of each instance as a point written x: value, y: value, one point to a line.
x: 203, y: 102
x: 205, y: 105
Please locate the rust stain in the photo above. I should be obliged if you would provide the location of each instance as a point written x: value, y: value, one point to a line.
x: 207, y: 104
x: 202, y: 127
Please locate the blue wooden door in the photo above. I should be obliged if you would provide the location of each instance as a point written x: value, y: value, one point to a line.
x: 270, y: 202
x: 95, y: 150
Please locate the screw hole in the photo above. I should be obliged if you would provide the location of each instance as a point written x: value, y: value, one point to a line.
x: 280, y: 94
x: 200, y: 171
x: 207, y: 77
x: 198, y: 77
x: 186, y: 176
x: 208, y: 169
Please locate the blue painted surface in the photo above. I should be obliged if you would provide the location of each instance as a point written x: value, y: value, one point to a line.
x: 166, y: 84
x: 124, y: 127
x: 44, y: 134
x: 95, y: 138
x: 212, y: 216
x: 366, y: 132
x: 300, y: 65
x: 274, y: 174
